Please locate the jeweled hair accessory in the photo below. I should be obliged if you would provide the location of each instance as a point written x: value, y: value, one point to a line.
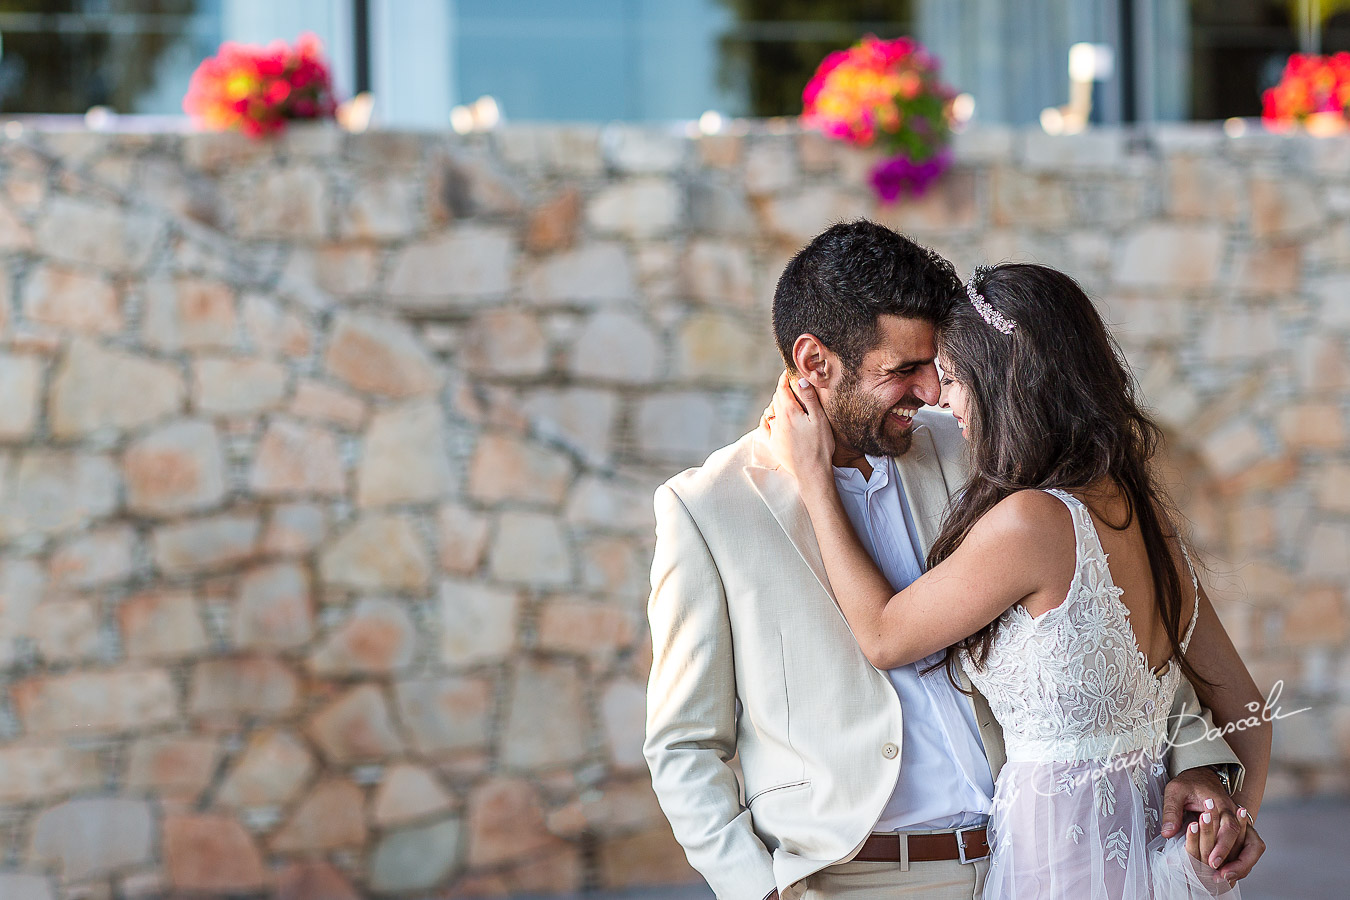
x: 995, y: 318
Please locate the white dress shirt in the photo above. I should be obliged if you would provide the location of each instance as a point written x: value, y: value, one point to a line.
x: 944, y: 775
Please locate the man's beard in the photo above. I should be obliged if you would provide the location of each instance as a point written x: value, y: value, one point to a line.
x: 860, y: 420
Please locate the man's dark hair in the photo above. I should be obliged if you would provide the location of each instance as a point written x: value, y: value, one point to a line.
x: 851, y: 273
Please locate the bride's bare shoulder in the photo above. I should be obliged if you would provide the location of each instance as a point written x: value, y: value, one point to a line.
x: 1034, y: 518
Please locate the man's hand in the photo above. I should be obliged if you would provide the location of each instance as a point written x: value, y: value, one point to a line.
x: 1200, y: 791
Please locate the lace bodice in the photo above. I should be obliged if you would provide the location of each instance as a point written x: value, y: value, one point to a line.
x: 1073, y: 683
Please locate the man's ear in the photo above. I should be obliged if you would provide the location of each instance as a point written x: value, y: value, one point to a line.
x: 814, y: 361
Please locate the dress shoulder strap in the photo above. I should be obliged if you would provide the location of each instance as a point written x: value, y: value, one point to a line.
x: 1088, y: 543
x: 1195, y: 610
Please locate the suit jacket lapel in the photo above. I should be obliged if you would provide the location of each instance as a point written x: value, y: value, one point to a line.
x: 926, y: 488
x: 779, y: 493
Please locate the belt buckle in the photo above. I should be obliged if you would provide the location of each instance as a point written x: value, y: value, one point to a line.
x: 960, y: 834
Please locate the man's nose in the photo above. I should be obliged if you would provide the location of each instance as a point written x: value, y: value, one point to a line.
x: 929, y: 388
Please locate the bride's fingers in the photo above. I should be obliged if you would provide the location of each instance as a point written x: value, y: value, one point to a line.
x: 1227, y: 836
x: 1209, y: 830
x: 809, y: 399
x: 1193, y: 839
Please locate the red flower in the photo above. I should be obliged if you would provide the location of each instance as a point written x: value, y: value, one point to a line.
x: 256, y: 90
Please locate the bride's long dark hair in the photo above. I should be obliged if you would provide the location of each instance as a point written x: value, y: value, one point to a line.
x: 1053, y: 405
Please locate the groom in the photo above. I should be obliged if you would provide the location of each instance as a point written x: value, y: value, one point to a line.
x: 854, y: 782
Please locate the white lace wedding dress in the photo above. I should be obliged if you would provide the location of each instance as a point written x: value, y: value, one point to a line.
x: 1077, y: 806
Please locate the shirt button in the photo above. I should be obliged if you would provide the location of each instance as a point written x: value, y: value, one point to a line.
x: 889, y: 750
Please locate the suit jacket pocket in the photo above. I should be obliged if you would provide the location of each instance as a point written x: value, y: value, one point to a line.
x: 777, y: 787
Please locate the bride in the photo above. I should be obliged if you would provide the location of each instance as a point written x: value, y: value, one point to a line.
x: 1060, y: 585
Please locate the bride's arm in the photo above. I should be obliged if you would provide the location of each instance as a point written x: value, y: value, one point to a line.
x: 1002, y: 561
x: 1234, y: 701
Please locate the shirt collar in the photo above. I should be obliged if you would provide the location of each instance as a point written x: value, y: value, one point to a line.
x: 851, y: 479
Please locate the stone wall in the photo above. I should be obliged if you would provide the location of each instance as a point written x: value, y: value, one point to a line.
x: 326, y: 464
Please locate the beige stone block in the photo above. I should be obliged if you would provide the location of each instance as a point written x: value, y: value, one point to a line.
x: 583, y: 628
x: 274, y: 609
x: 581, y: 419
x: 1283, y: 207
x: 161, y: 625
x: 469, y: 264
x: 378, y: 552
x: 297, y: 460
x: 1201, y: 187
x: 719, y: 206
x: 639, y: 149
x: 770, y: 165
x: 332, y: 817
x: 611, y: 504
x: 381, y: 209
x: 721, y: 151
x: 1326, y: 551
x: 284, y: 202
x: 1323, y: 364
x: 478, y: 622
x: 552, y: 225
x: 273, y: 332
x: 93, y: 837
x: 1041, y: 201
x: 14, y: 234
x: 1144, y: 319
x: 237, y: 386
x: 1273, y: 270
x: 313, y: 880
x: 546, y: 718
x: 614, y: 808
x: 90, y: 232
x: 615, y: 565
x: 273, y: 768
x: 94, y: 702
x: 505, y: 467
x: 65, y: 630
x: 1314, y: 426
x: 96, y: 389
x: 176, y: 766
x: 415, y: 858
x: 530, y: 549
x: 623, y: 714
x: 949, y: 205
x: 72, y: 300
x: 1317, y: 617
x: 680, y: 425
x: 355, y: 727
x: 719, y: 273
x: 378, y: 637
x: 380, y: 356
x: 320, y: 402
x: 190, y: 313
x: 1232, y: 447
x: 462, y: 538
x: 216, y: 542
x: 445, y: 715
x: 648, y: 857
x: 23, y: 583
x: 295, y: 529
x: 506, y: 823
x: 641, y: 207
x: 1332, y: 486
x: 798, y: 216
x: 95, y: 558
x: 212, y: 854
x: 1171, y: 256
x: 589, y: 274
x: 48, y: 492
x: 617, y: 348
x: 346, y: 270
x: 1240, y: 334
x: 35, y: 772
x: 248, y: 686
x: 406, y: 794
x: 406, y: 458
x: 506, y: 344
x: 720, y: 349
x: 20, y: 395
x: 176, y: 468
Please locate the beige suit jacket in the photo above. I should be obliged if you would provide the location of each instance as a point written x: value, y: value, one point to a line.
x: 752, y: 658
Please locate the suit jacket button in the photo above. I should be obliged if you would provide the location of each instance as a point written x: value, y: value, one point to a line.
x: 889, y: 750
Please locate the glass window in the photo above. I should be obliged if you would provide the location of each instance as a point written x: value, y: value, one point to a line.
x: 135, y: 56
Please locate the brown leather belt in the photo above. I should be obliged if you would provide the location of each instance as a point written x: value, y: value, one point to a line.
x: 966, y: 845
